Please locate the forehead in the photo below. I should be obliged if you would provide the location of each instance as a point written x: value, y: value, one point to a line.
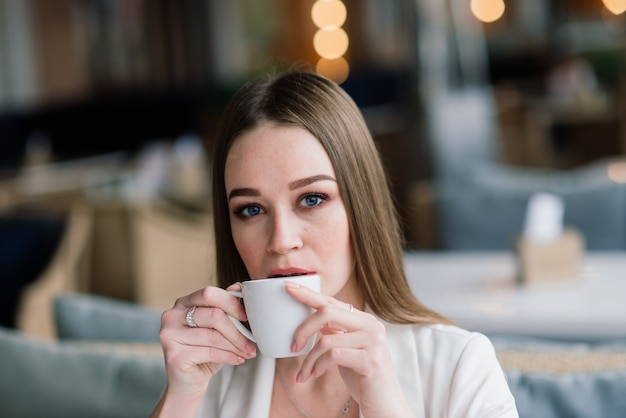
x: 279, y: 151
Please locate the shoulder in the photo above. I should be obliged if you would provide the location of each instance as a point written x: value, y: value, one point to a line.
x: 444, y: 333
x: 442, y: 350
x: 452, y: 344
x: 448, y: 335
x: 440, y: 338
x: 458, y: 371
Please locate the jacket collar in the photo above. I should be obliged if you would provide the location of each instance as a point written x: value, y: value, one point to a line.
x: 403, y: 348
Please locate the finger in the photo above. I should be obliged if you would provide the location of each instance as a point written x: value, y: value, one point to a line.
x: 216, y: 319
x: 327, y: 348
x: 204, y: 337
x: 330, y: 319
x: 214, y: 297
x: 174, y: 327
x: 235, y: 286
x: 197, y: 337
x: 311, y: 297
x: 187, y: 356
x: 347, y: 358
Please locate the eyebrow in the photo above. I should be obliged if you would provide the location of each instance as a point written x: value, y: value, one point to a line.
x: 296, y: 184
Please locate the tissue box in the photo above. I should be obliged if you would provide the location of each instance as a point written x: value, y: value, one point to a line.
x: 556, y: 260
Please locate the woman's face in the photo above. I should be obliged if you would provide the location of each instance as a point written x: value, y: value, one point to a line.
x: 286, y: 213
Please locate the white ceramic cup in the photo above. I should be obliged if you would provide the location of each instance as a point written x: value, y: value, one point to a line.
x: 274, y: 315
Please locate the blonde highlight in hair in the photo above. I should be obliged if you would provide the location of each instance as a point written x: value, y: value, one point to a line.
x: 320, y: 106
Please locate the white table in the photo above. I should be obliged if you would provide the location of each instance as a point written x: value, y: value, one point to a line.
x: 479, y: 292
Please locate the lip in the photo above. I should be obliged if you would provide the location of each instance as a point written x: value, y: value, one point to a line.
x: 287, y: 272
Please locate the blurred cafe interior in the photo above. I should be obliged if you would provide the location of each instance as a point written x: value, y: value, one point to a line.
x: 502, y: 124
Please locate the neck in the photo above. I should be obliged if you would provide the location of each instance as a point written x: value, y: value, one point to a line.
x: 351, y: 293
x: 289, y: 367
x: 304, y: 397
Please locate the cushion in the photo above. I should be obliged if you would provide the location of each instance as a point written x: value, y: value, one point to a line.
x: 572, y: 395
x: 91, y: 317
x: 485, y: 209
x: 551, y: 378
x: 471, y: 218
x: 594, y: 204
x: 42, y: 378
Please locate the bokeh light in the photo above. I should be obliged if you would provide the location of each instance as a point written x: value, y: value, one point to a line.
x: 329, y: 14
x: 616, y: 7
x: 336, y: 69
x: 617, y: 172
x: 488, y: 10
x: 330, y: 43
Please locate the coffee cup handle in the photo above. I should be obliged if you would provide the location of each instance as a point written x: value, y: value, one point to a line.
x: 245, y: 331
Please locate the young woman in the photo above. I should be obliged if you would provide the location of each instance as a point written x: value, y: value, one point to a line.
x: 299, y: 188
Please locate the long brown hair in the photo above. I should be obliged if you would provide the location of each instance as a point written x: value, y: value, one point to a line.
x: 320, y: 106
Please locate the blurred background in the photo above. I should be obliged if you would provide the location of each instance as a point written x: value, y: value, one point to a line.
x: 108, y: 106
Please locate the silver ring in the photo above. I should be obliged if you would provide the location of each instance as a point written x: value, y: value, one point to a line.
x: 351, y: 307
x: 189, y: 317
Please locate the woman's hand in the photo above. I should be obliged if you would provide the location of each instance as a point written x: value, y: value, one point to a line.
x: 356, y: 343
x: 194, y: 355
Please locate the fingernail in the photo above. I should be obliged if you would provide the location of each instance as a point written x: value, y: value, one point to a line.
x: 293, y: 285
x: 243, y: 316
x: 250, y: 348
x: 294, y: 347
x: 299, y: 377
x: 240, y: 359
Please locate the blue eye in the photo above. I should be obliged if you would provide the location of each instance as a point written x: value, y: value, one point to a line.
x: 312, y: 200
x: 250, y: 211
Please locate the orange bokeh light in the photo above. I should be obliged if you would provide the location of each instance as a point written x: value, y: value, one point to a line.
x: 616, y: 7
x: 329, y: 13
x: 336, y: 69
x: 331, y: 43
x: 488, y: 10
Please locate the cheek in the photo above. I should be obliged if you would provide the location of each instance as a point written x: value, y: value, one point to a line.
x: 338, y: 260
x: 338, y: 247
x: 245, y: 244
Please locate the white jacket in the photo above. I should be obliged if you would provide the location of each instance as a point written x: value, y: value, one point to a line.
x: 444, y: 371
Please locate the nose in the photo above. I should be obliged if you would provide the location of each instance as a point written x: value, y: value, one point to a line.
x: 284, y: 235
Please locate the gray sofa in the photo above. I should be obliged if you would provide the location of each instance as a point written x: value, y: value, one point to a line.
x: 484, y: 209
x: 107, y: 363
